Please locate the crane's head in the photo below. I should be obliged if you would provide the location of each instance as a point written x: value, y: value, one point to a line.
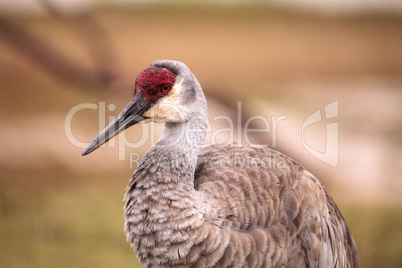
x: 165, y: 92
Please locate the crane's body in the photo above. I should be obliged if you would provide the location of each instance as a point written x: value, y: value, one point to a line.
x: 221, y: 206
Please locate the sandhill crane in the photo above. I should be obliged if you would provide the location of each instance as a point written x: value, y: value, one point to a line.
x: 183, y: 209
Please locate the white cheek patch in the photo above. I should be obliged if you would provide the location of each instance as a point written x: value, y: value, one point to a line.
x: 174, y: 96
x: 168, y: 109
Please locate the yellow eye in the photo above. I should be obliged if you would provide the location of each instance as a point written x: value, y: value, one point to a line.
x: 166, y: 88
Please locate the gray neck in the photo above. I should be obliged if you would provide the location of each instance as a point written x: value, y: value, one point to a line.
x: 176, y: 152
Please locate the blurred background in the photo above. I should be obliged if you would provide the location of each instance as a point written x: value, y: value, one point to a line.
x: 278, y: 58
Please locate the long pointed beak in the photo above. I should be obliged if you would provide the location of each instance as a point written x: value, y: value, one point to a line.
x: 130, y: 115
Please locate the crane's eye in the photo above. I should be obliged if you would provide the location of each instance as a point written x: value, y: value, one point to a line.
x: 166, y: 88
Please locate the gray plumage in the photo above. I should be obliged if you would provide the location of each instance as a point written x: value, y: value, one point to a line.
x: 225, y: 205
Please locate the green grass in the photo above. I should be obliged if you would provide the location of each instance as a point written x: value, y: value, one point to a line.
x: 56, y: 218
x: 59, y: 223
x: 377, y: 232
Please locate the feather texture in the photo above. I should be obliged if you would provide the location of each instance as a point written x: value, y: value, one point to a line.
x: 249, y: 207
x: 222, y: 206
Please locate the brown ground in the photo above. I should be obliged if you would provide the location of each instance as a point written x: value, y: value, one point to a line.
x: 58, y: 207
